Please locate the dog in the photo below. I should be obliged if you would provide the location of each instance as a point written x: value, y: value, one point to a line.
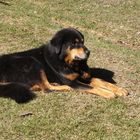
x: 59, y: 65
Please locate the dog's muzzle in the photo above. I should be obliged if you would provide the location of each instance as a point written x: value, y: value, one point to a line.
x: 83, y: 56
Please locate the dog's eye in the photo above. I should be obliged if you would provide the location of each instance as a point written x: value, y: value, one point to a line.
x: 72, y: 44
x: 77, y: 40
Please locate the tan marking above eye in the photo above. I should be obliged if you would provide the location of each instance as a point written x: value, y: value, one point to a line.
x: 82, y: 40
x: 77, y: 40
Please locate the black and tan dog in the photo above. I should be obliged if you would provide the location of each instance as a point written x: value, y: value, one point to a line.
x: 59, y: 65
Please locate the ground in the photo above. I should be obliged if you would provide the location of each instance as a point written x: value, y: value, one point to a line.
x: 112, y: 32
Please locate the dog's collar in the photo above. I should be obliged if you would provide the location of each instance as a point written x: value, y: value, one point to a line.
x: 47, y: 57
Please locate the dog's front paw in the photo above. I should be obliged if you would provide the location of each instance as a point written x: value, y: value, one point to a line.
x: 65, y: 87
x: 121, y: 92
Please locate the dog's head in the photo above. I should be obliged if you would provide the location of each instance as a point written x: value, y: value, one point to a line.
x: 69, y: 46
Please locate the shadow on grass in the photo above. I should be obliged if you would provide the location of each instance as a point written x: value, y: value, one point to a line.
x: 4, y: 3
x: 104, y: 74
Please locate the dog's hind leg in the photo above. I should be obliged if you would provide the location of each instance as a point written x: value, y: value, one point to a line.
x: 18, y: 92
x: 45, y: 85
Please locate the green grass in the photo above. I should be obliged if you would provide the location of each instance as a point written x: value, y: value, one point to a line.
x: 111, y: 29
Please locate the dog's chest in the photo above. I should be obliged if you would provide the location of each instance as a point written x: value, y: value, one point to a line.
x: 71, y: 76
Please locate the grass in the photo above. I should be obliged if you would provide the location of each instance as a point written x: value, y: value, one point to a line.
x: 111, y: 29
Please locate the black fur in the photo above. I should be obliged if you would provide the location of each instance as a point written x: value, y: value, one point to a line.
x: 16, y: 91
x: 20, y: 71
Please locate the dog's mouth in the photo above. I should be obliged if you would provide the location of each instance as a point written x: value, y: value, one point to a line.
x: 79, y: 58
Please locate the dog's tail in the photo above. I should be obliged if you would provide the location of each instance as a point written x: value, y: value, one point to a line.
x: 18, y: 92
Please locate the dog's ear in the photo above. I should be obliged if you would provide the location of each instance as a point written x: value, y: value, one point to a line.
x: 57, y: 42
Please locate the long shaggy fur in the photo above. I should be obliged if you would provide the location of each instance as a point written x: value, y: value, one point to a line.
x: 17, y: 92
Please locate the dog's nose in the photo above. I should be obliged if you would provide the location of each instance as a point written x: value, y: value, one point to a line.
x: 76, y: 58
